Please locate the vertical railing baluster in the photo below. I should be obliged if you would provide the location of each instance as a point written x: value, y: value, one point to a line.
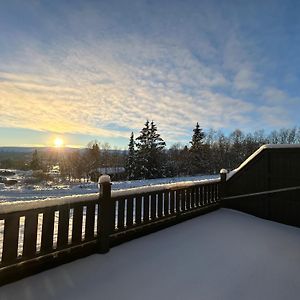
x: 193, y: 197
x: 138, y: 210
x: 188, y: 198
x: 172, y: 202
x: 63, y: 227
x: 197, y: 196
x: 159, y: 204
x: 121, y: 213
x: 47, y: 230
x: 153, y: 206
x: 205, y: 195
x: 10, y: 239
x: 209, y: 194
x: 30, y: 235
x: 129, y: 211
x: 183, y: 199
x: 166, y: 202
x: 90, y: 221
x: 202, y: 195
x: 178, y: 201
x: 77, y: 224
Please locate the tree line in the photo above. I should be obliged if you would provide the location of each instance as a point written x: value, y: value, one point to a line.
x: 206, y: 153
x: 148, y: 157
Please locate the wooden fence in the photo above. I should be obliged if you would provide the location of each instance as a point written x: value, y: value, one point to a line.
x: 38, y: 235
x: 267, y: 185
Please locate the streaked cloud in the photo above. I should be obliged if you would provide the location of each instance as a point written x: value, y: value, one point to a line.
x: 103, y: 69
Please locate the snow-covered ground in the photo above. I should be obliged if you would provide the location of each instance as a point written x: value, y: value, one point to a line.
x: 30, y: 192
x: 224, y: 255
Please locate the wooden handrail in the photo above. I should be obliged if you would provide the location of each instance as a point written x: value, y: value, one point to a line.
x: 262, y: 193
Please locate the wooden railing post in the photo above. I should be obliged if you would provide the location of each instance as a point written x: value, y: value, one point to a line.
x: 222, y: 191
x: 106, y: 214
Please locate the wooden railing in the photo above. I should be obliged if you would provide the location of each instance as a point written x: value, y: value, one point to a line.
x: 38, y: 235
x: 150, y: 208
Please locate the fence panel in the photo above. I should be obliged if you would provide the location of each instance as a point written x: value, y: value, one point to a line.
x: 47, y: 232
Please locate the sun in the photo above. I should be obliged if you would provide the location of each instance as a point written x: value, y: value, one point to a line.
x: 58, y: 142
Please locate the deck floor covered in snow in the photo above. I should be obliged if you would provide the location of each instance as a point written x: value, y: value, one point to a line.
x: 221, y: 255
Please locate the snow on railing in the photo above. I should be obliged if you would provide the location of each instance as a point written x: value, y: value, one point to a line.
x: 257, y: 152
x: 161, y: 187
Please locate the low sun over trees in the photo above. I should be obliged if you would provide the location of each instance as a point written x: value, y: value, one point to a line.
x: 148, y: 157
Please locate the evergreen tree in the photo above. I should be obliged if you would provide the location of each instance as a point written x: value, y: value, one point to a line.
x: 197, y: 151
x: 157, y: 146
x: 143, y: 153
x: 131, y: 159
x: 197, y: 138
x: 150, y: 148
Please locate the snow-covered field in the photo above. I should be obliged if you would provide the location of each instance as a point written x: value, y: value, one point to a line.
x: 30, y: 192
x: 223, y: 255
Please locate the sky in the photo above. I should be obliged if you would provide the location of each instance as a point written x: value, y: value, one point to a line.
x: 86, y: 70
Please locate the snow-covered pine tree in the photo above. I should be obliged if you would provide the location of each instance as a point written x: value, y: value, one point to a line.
x: 150, y: 147
x: 131, y: 159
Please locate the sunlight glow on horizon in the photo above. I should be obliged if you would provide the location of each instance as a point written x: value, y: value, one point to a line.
x: 58, y: 142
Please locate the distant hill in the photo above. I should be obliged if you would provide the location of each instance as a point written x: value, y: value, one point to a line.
x: 31, y: 149
x: 13, y: 152
x: 16, y: 153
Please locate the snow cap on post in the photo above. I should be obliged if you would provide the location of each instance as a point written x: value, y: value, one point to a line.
x: 104, y: 179
x: 223, y: 174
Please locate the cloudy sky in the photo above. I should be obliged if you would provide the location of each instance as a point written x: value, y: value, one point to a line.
x: 98, y: 69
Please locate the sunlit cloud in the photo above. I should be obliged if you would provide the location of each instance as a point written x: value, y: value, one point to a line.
x: 102, y: 75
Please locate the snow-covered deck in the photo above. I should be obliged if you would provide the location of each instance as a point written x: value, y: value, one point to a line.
x: 221, y: 255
